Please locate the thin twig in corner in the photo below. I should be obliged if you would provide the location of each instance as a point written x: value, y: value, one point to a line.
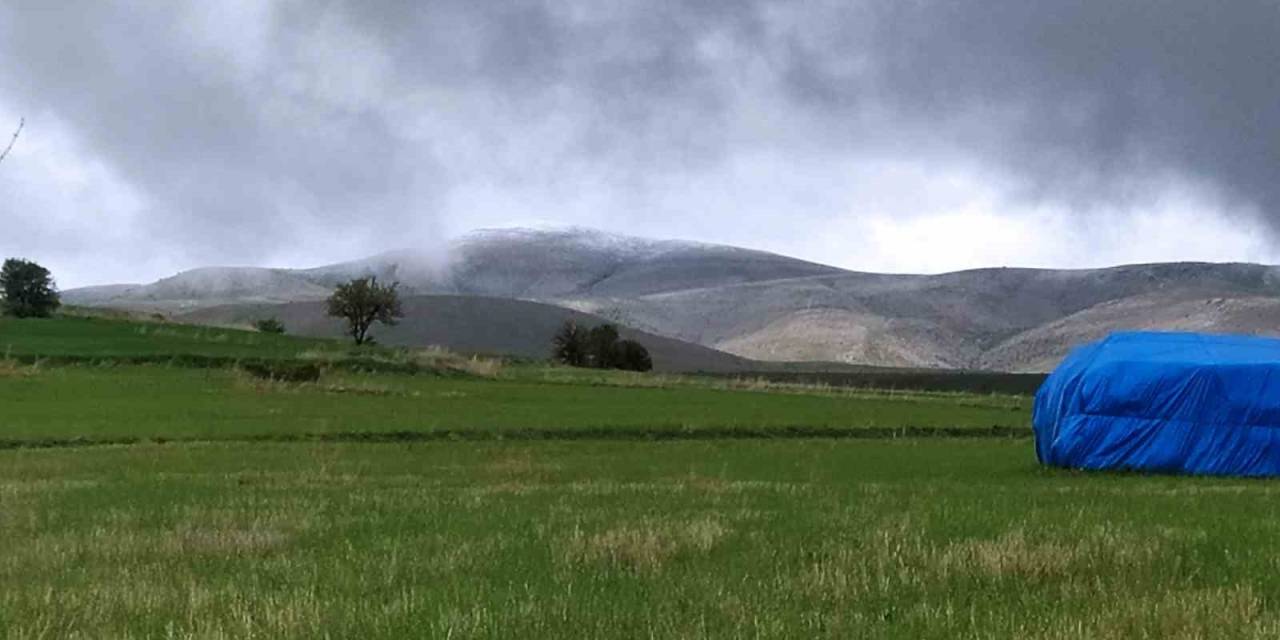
x: 21, y: 122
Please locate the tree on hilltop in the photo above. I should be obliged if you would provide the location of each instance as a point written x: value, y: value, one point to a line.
x: 602, y: 342
x: 362, y: 302
x: 569, y: 345
x: 632, y: 356
x: 27, y: 290
x: 599, y: 348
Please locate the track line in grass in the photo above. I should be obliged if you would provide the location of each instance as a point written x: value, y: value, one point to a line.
x: 544, y: 434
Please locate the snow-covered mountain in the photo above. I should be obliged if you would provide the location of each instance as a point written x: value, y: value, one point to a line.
x: 509, y: 263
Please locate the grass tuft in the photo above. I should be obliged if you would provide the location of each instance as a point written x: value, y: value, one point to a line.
x: 10, y: 368
x: 645, y: 546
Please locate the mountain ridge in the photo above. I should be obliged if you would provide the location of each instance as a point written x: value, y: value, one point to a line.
x: 766, y: 306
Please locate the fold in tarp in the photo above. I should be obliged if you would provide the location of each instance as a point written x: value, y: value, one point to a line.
x: 1166, y: 402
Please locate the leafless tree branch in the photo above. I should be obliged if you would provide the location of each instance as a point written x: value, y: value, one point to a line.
x: 21, y: 122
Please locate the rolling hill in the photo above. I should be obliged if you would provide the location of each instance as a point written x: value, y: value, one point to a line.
x: 744, y: 303
x: 472, y: 324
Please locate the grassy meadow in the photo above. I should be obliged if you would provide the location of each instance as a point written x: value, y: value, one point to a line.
x: 149, y: 493
x: 96, y: 338
x: 773, y: 539
x: 110, y: 403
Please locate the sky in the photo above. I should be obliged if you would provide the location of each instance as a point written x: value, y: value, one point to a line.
x: 900, y: 135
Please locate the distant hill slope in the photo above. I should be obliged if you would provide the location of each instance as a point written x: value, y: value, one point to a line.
x: 768, y: 307
x: 1039, y: 349
x: 955, y: 320
x: 516, y: 263
x: 472, y: 324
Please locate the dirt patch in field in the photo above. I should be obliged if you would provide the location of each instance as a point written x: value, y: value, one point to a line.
x: 1190, y: 614
x: 644, y: 546
x: 1015, y: 555
x: 15, y: 369
x: 224, y: 541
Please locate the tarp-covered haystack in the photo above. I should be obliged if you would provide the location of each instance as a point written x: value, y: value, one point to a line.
x: 1167, y: 402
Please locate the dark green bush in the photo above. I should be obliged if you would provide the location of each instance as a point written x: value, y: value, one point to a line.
x: 599, y: 348
x: 269, y: 325
x: 27, y: 290
x: 602, y: 347
x: 569, y: 345
x: 632, y: 356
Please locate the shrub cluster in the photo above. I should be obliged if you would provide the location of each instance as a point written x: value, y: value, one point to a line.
x: 598, y: 347
x: 269, y: 325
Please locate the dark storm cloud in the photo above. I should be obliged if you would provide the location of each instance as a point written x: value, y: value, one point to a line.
x: 219, y: 161
x: 629, y: 74
x: 1083, y: 95
x: 244, y: 131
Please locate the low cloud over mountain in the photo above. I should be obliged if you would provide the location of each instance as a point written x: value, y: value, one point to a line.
x: 763, y: 306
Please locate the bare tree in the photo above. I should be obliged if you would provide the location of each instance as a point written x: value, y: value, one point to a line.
x: 21, y: 122
x: 362, y: 302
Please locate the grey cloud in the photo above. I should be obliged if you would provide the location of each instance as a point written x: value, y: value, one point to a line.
x: 357, y: 120
x: 1089, y: 92
x: 219, y: 166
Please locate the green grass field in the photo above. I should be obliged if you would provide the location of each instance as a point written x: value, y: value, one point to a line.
x: 90, y: 337
x: 481, y: 500
x: 149, y: 402
x: 781, y: 539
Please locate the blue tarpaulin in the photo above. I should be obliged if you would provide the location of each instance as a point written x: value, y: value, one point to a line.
x: 1166, y: 402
